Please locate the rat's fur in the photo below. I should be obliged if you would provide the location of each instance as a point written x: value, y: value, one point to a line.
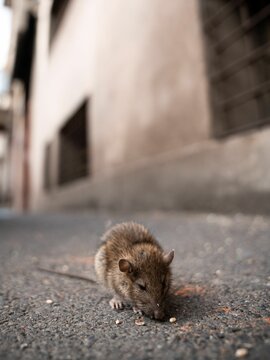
x: 132, y: 263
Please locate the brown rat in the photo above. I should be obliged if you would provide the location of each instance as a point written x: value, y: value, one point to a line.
x: 132, y: 263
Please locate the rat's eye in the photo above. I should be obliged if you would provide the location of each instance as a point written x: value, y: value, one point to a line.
x: 142, y: 287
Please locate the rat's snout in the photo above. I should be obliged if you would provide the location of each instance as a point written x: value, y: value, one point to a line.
x: 159, y: 314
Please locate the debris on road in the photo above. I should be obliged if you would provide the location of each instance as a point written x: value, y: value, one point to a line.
x: 224, y: 309
x: 172, y: 320
x: 118, y: 322
x: 190, y: 290
x: 49, y: 301
x: 140, y: 322
x: 218, y: 272
x: 241, y: 352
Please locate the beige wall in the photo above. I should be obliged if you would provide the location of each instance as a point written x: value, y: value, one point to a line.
x: 61, y: 79
x: 150, y: 92
x: 17, y: 146
x: 142, y: 64
x: 226, y: 176
x: 4, y: 185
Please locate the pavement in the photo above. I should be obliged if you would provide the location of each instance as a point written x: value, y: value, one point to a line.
x: 220, y: 298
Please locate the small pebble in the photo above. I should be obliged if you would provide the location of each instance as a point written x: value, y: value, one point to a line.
x: 118, y: 322
x: 241, y: 352
x: 172, y: 320
x: 49, y: 301
x: 139, y: 322
x: 23, y: 346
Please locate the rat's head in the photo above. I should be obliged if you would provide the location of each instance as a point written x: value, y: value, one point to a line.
x: 148, y: 280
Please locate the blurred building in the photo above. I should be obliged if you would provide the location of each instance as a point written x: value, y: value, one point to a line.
x: 5, y: 133
x: 141, y: 104
x: 5, y: 121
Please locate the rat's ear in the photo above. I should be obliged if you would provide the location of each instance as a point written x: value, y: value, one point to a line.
x: 125, y: 266
x: 168, y: 258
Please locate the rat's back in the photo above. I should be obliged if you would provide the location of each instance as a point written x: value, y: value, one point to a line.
x: 128, y: 234
x: 118, y: 243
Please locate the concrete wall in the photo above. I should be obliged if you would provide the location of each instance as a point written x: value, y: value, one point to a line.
x: 4, y: 180
x: 150, y: 92
x: 219, y: 176
x: 62, y: 79
x: 142, y: 64
x: 17, y: 153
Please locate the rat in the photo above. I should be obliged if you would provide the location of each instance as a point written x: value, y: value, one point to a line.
x: 134, y: 266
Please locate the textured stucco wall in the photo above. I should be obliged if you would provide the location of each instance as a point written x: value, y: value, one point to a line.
x: 150, y: 92
x: 226, y: 176
x: 61, y: 80
x: 141, y: 62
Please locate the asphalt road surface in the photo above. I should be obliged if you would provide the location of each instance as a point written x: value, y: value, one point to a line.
x: 221, y: 289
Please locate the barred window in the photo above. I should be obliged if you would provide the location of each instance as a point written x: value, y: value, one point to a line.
x: 73, y: 151
x: 237, y: 35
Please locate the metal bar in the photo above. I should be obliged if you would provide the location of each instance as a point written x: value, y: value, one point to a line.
x: 244, y: 96
x: 221, y: 15
x: 241, y: 63
x: 245, y: 27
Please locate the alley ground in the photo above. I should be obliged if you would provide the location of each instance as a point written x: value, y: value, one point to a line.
x: 221, y: 279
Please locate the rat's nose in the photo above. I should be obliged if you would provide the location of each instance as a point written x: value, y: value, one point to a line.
x: 159, y: 314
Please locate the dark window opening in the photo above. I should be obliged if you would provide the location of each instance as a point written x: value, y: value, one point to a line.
x: 238, y: 56
x: 73, y: 152
x: 57, y: 13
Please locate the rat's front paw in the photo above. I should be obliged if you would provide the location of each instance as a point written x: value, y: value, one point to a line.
x: 116, y: 303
